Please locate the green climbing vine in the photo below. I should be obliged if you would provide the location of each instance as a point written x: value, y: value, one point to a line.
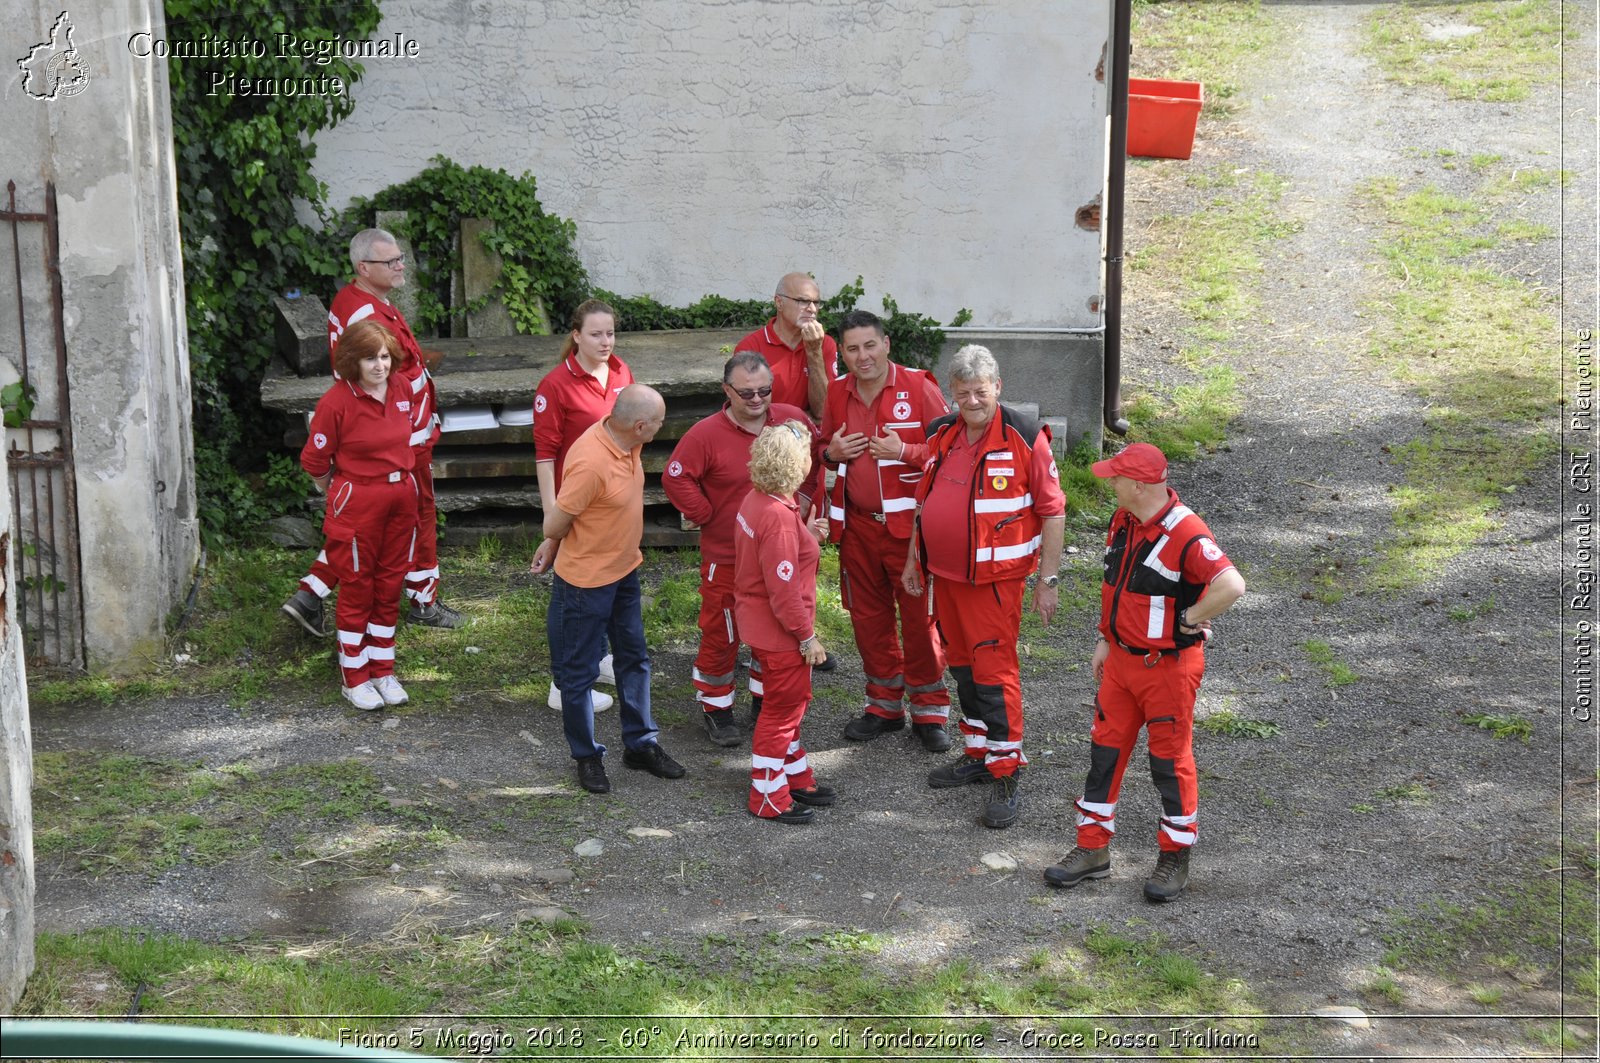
x: 244, y: 163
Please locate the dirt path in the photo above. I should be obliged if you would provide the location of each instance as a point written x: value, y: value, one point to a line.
x: 1302, y: 868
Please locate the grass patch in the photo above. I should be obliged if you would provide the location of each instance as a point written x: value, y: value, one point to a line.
x: 1229, y: 724
x: 1218, y: 42
x: 1502, y: 724
x: 1472, y: 51
x: 1470, y: 341
x: 1405, y: 793
x: 104, y: 813
x: 1464, y: 613
x: 1543, y: 920
x: 1192, y: 420
x: 1337, y: 671
x: 542, y: 970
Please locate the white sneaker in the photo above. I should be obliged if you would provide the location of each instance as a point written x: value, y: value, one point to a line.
x: 390, y: 690
x: 600, y: 702
x: 608, y: 674
x: 364, y: 697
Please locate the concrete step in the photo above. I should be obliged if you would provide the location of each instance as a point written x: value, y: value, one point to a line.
x: 456, y: 463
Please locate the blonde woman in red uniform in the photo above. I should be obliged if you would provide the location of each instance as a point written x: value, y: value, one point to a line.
x: 571, y: 398
x: 360, y: 455
x: 775, y: 609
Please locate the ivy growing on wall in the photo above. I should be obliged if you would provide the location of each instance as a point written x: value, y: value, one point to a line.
x: 244, y: 162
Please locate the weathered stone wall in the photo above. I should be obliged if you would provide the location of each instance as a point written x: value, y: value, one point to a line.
x: 939, y: 148
x: 108, y: 147
x: 16, y: 785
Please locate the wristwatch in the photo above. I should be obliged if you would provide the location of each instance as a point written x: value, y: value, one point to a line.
x: 1050, y: 581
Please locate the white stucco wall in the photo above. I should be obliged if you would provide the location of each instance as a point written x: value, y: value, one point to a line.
x: 939, y: 148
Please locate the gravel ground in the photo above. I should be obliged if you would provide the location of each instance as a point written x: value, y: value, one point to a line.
x: 1292, y: 888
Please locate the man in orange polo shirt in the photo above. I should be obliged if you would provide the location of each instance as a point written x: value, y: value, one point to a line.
x: 591, y: 537
x: 799, y: 351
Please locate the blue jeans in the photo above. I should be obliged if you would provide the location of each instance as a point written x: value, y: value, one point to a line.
x: 577, y: 625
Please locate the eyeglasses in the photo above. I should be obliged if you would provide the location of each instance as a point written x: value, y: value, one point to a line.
x: 815, y: 304
x: 393, y: 263
x: 749, y: 393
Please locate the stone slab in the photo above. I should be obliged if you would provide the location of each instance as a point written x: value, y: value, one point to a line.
x: 300, y: 334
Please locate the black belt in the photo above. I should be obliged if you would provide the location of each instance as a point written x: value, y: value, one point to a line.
x: 869, y: 513
x: 1151, y: 656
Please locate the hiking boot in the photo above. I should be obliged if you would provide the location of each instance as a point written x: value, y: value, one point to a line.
x: 1078, y: 865
x: 608, y: 671
x: 721, y: 729
x: 592, y: 775
x: 795, y: 813
x: 653, y: 759
x: 1169, y: 878
x: 959, y: 772
x: 819, y: 796
x: 436, y: 614
x: 364, y: 697
x: 598, y: 702
x: 1004, y: 803
x: 390, y: 690
x: 829, y: 663
x: 933, y: 736
x: 305, y: 609
x: 868, y: 726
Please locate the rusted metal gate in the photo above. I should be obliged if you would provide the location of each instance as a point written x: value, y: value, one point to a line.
x: 38, y: 421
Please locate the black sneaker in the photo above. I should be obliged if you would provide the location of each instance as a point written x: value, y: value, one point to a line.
x: 592, y: 775
x: 933, y: 735
x: 1004, y: 804
x: 962, y: 771
x: 867, y: 726
x: 1169, y: 878
x: 819, y: 796
x: 653, y: 759
x: 795, y: 813
x: 305, y: 609
x: 1078, y: 865
x: 437, y: 614
x: 829, y: 663
x: 721, y: 729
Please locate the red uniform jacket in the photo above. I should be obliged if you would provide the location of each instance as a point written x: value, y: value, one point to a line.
x: 1153, y: 570
x: 568, y: 401
x: 353, y: 304
x: 708, y: 475
x: 775, y: 574
x: 359, y: 435
x: 909, y: 401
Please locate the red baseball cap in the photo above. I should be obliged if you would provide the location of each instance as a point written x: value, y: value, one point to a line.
x: 1136, y: 461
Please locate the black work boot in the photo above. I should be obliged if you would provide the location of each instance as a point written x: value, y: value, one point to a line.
x: 1004, y: 803
x: 721, y: 729
x: 1078, y: 865
x: 305, y: 609
x: 935, y: 739
x: 867, y: 726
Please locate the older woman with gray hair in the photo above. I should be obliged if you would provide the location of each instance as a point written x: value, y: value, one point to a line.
x: 775, y: 607
x: 989, y: 513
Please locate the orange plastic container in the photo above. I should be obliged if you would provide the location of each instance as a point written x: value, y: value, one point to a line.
x: 1162, y: 116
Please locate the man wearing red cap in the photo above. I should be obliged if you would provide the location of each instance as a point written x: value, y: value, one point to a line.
x: 1166, y: 579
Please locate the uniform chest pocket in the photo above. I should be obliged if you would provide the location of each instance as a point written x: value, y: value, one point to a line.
x: 1114, y: 555
x: 1150, y: 576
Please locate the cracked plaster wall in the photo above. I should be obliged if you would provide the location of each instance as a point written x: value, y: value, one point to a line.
x: 109, y: 151
x: 940, y: 149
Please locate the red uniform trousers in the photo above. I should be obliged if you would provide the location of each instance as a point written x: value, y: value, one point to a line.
x: 718, y: 657
x: 369, y: 527
x: 1160, y: 699
x: 870, y: 563
x: 422, y: 581
x: 980, y: 627
x: 777, y: 760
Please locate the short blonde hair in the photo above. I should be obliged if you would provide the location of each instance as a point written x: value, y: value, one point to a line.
x: 780, y: 458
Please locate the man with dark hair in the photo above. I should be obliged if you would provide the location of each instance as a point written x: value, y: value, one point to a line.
x: 379, y: 269
x: 798, y: 350
x: 707, y: 478
x: 1166, y: 579
x: 876, y: 422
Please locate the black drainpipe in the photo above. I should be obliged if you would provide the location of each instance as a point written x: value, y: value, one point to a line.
x: 1121, y: 38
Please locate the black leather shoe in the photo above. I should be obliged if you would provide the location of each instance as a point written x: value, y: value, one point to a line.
x: 721, y: 729
x: 962, y: 771
x: 795, y: 813
x: 933, y: 735
x: 653, y: 759
x: 592, y: 775
x: 866, y: 727
x: 819, y: 796
x: 829, y: 663
x: 305, y: 609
